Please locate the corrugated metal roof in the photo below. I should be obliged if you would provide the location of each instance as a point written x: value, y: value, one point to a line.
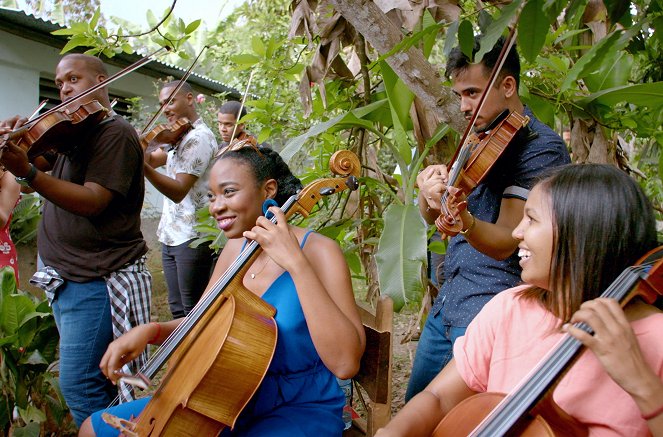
x: 37, y: 29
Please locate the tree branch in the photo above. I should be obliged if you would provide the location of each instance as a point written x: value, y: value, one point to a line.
x: 410, y: 65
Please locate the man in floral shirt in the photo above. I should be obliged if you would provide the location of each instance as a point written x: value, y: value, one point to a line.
x: 184, y: 186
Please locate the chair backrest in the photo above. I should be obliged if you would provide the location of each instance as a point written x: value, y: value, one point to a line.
x: 374, y: 374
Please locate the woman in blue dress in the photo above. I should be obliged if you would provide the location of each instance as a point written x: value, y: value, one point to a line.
x: 303, y: 275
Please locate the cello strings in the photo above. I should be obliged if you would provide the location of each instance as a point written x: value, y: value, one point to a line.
x: 534, y: 385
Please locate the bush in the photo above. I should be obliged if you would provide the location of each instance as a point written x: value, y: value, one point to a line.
x: 31, y: 403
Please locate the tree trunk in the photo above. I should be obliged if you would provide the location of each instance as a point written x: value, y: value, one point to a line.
x: 410, y: 65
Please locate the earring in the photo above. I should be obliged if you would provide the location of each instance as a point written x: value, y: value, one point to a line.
x: 265, y: 206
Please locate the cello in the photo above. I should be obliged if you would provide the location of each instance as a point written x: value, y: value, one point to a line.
x: 529, y: 409
x: 219, y: 354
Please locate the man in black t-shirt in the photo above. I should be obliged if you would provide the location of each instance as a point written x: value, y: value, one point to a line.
x: 89, y: 238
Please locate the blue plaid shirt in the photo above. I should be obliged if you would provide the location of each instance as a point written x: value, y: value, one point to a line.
x: 471, y: 278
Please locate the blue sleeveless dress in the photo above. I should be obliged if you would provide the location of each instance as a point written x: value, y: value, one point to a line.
x: 299, y: 396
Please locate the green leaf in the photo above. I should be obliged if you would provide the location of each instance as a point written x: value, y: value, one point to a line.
x: 74, y: 42
x: 542, y: 109
x: 29, y: 430
x: 32, y: 414
x: 617, y: 9
x: 615, y: 71
x: 554, y: 8
x: 400, y: 101
x: 594, y: 58
x: 245, y: 59
x: 645, y: 94
x: 8, y: 339
x: 7, y: 283
x: 353, y: 262
x: 294, y: 145
x: 151, y: 18
x: 401, y: 255
x: 451, y: 37
x: 429, y: 37
x: 95, y: 18
x: 466, y: 38
x: 14, y: 309
x: 496, y: 29
x: 532, y: 26
x: 191, y: 27
x: 258, y: 46
x: 65, y: 31
x: 264, y: 134
x: 439, y: 247
x: 6, y: 407
x: 427, y: 34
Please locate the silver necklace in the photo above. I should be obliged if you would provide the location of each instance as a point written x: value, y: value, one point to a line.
x: 254, y: 274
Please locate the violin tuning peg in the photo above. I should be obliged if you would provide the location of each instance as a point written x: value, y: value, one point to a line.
x: 327, y: 191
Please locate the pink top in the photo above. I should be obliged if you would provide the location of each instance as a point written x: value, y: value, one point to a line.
x: 509, y: 337
x: 7, y: 249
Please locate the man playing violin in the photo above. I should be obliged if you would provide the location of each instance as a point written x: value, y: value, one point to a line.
x: 89, y: 237
x: 481, y: 260
x: 227, y: 117
x: 184, y: 185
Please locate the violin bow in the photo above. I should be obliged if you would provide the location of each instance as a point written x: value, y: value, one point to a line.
x: 39, y: 108
x: 136, y: 65
x: 175, y: 90
x: 239, y: 114
x: 455, y: 169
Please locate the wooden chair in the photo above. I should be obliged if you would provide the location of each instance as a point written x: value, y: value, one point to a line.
x: 374, y: 375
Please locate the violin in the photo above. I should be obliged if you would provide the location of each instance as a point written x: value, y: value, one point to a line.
x: 529, y: 409
x: 56, y: 129
x: 472, y: 164
x: 244, y: 140
x: 218, y: 356
x: 165, y: 134
x: 477, y: 153
x: 151, y: 137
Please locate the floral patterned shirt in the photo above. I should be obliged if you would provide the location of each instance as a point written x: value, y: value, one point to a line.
x: 193, y: 155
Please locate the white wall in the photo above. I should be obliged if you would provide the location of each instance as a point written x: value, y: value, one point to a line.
x: 23, y: 61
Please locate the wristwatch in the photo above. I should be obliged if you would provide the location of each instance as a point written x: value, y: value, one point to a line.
x: 28, y: 178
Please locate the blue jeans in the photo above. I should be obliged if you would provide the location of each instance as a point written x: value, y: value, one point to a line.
x: 187, y: 271
x: 434, y: 351
x: 83, y: 317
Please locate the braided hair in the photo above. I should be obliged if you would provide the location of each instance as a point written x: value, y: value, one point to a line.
x: 267, y: 164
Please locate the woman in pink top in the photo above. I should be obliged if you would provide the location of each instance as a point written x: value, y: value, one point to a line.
x: 10, y: 192
x: 581, y: 228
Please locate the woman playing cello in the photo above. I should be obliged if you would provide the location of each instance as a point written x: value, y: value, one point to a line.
x: 303, y: 275
x: 572, y: 244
